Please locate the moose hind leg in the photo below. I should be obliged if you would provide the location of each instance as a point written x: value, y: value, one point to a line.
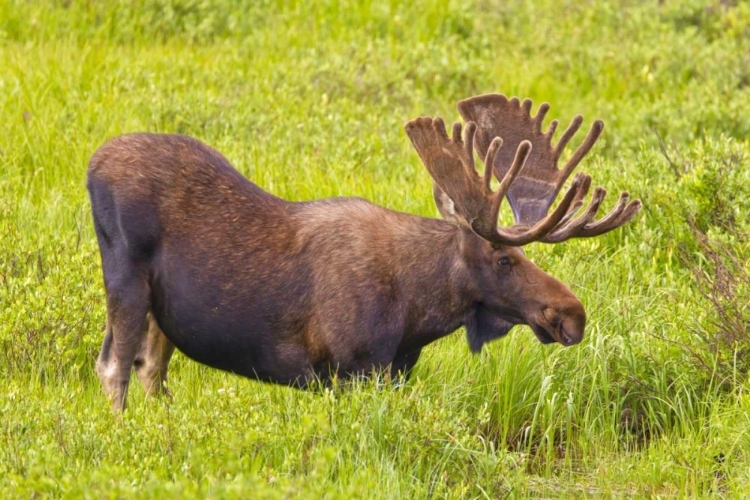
x: 152, y: 360
x: 127, y: 306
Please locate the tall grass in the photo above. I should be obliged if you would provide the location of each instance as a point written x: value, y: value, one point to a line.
x: 308, y: 99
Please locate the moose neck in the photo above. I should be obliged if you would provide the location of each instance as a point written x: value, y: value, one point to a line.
x: 436, y: 281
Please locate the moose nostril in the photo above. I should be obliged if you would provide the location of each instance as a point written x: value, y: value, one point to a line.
x: 571, y: 329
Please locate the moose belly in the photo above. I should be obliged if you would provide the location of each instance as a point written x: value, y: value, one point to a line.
x: 237, y: 332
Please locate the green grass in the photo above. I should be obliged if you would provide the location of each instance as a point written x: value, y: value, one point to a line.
x: 310, y: 102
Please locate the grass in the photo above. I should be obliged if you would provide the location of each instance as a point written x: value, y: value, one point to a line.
x: 309, y: 100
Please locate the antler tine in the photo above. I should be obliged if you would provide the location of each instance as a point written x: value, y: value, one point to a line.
x: 479, y: 225
x: 489, y: 160
x: 456, y: 135
x: 469, y: 132
x: 614, y: 214
x: 578, y: 200
x: 526, y: 105
x: 518, y: 162
x: 596, y: 130
x: 627, y: 215
x: 551, y: 129
x: 539, y: 118
x: 575, y: 124
x: 584, y: 190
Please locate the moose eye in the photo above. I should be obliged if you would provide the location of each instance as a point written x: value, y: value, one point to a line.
x: 504, y: 261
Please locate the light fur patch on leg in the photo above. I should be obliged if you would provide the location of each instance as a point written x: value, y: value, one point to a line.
x: 152, y: 360
x: 106, y: 368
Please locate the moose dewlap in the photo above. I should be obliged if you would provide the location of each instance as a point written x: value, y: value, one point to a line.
x: 196, y: 257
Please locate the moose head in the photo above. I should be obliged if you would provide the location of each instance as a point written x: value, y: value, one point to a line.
x: 515, y: 151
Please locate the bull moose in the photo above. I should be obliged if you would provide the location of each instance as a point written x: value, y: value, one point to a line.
x: 197, y: 257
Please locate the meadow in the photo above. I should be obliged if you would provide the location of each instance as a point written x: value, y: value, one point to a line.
x: 309, y: 99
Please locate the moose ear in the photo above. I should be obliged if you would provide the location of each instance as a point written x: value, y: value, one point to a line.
x: 484, y: 326
x: 445, y: 205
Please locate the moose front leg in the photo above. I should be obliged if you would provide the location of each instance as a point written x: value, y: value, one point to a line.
x: 404, y: 363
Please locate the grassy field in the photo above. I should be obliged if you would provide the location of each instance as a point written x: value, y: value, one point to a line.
x: 310, y: 102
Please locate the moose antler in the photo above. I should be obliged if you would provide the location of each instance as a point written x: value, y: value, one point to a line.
x: 536, y: 188
x: 450, y: 162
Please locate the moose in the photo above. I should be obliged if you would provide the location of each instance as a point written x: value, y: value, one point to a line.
x: 196, y: 257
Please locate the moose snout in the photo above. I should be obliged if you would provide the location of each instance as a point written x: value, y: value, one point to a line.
x: 568, y: 322
x: 571, y: 329
x: 572, y: 323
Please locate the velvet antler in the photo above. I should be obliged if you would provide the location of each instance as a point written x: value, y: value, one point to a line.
x: 450, y: 161
x: 534, y: 190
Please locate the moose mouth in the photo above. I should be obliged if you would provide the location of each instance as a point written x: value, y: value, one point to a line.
x: 546, y: 336
x: 547, y: 330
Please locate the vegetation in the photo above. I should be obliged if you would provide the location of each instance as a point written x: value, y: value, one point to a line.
x: 308, y: 99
